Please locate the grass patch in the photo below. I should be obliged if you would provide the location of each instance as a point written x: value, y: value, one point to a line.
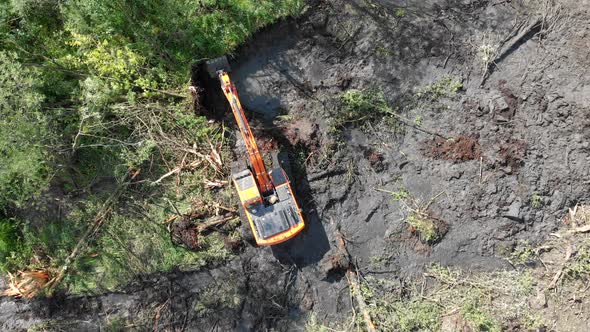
x: 473, y: 312
x: 424, y: 225
x: 530, y: 298
x: 419, y: 218
x: 579, y: 267
x: 536, y: 201
x: 392, y: 311
x: 227, y: 296
x: 359, y: 108
x: 447, y: 87
x: 400, y: 12
x: 478, y: 301
x: 524, y: 253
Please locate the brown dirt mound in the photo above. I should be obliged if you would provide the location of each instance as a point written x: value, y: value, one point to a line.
x: 461, y: 148
x: 512, y: 153
x: 375, y: 158
x: 266, y: 143
x: 303, y: 131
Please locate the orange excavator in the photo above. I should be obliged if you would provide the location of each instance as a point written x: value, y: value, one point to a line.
x: 266, y: 197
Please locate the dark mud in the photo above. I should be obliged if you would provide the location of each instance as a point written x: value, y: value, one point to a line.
x: 533, y: 139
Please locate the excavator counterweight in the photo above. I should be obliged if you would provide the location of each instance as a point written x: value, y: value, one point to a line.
x: 266, y: 197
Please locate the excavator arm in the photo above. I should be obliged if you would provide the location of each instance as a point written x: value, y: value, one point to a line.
x: 267, y: 198
x: 254, y: 156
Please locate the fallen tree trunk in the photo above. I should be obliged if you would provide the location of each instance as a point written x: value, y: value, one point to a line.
x: 97, y: 222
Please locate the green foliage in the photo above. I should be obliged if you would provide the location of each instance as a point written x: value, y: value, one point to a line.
x: 579, y: 268
x: 417, y: 316
x: 419, y: 219
x: 424, y: 225
x: 524, y: 253
x: 536, y: 201
x: 446, y: 87
x: 400, y: 12
x: 481, y: 320
x: 85, y: 96
x: 49, y: 244
x: 401, y: 194
x: 10, y: 245
x: 8, y: 237
x: 23, y: 131
x: 395, y: 312
x: 361, y: 106
x: 108, y: 58
x: 43, y: 15
x: 170, y: 34
x: 131, y: 245
x: 54, y: 240
x: 418, y: 120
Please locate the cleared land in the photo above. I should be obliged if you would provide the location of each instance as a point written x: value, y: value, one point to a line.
x: 440, y: 150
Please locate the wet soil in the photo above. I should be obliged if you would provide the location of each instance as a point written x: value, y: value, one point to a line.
x: 524, y: 133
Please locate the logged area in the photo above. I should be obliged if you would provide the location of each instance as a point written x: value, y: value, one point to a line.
x: 438, y: 151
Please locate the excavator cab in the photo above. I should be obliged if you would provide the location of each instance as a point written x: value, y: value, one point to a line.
x: 267, y: 198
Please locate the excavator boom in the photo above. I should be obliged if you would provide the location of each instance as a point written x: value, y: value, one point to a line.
x: 256, y: 162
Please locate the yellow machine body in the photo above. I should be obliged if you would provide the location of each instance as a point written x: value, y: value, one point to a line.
x: 270, y: 223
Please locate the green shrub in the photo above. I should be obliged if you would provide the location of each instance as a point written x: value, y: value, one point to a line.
x: 481, y: 320
x: 170, y: 34
x: 9, y: 244
x: 536, y: 201
x: 367, y: 104
x: 579, y: 268
x: 23, y: 132
x: 424, y: 225
x: 418, y: 316
x: 359, y: 107
x: 446, y: 87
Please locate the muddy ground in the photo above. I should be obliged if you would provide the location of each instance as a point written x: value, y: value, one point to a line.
x: 521, y: 133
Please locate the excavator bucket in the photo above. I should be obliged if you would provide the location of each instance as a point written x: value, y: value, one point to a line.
x: 214, y: 65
